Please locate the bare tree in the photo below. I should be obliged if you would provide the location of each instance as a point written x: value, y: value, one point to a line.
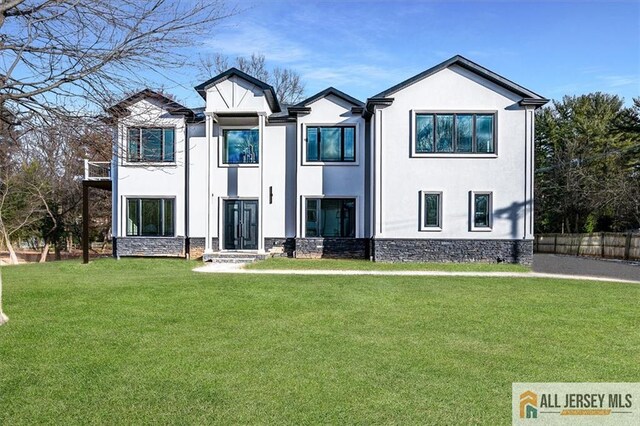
x: 59, y: 55
x: 3, y: 317
x: 286, y: 82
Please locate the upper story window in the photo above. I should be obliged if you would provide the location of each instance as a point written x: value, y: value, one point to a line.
x: 152, y: 217
x: 241, y: 146
x: 454, y: 133
x: 331, y: 144
x: 151, y: 144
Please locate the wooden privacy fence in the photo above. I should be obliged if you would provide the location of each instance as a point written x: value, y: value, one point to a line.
x: 610, y: 245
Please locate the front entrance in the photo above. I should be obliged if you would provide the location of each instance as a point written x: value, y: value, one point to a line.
x: 241, y: 225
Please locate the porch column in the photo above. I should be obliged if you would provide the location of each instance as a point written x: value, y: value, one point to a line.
x: 85, y: 222
x: 209, y: 131
x: 261, y: 123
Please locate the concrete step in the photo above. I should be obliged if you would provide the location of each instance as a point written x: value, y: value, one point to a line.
x: 233, y: 257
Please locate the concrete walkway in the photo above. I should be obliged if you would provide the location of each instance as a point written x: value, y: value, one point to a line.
x: 238, y: 268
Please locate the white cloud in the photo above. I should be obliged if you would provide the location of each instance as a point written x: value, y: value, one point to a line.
x: 248, y: 38
x: 619, y: 80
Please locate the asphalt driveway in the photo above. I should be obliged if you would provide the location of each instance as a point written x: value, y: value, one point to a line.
x: 572, y: 265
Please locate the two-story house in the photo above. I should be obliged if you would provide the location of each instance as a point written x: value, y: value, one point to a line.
x: 436, y: 168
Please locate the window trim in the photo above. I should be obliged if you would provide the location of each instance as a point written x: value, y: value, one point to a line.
x: 139, y: 198
x: 330, y: 197
x: 140, y: 161
x: 415, y: 154
x: 472, y: 212
x: 423, y: 210
x: 222, y: 144
x: 356, y: 133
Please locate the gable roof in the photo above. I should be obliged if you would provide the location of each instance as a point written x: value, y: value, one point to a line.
x: 269, y: 93
x: 465, y: 63
x: 330, y: 91
x: 121, y: 108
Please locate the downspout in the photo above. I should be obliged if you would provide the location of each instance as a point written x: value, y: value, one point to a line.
x: 187, y: 242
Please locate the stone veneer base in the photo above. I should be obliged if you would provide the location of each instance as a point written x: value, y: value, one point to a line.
x: 150, y: 246
x: 280, y: 247
x: 379, y: 250
x: 196, y: 246
x: 334, y: 248
x: 432, y: 250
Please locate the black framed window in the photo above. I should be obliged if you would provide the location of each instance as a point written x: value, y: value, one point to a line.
x: 481, y: 210
x: 241, y: 146
x: 150, y: 217
x: 331, y: 144
x: 431, y: 210
x: 454, y: 133
x: 330, y: 217
x: 151, y: 144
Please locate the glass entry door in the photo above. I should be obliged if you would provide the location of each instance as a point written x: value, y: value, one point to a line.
x: 241, y: 225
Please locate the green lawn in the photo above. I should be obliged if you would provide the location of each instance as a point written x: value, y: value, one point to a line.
x: 365, y: 265
x: 150, y: 341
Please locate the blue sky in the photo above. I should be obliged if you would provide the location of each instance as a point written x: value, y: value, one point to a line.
x: 363, y: 47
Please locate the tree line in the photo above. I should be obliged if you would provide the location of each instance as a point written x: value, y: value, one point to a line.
x: 63, y: 63
x: 587, y: 174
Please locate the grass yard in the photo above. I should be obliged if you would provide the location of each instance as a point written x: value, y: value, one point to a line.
x: 365, y: 265
x: 150, y: 341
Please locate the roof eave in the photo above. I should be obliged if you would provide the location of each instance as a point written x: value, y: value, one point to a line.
x: 267, y: 89
x: 535, y: 102
x: 378, y: 101
x: 331, y: 91
x: 469, y: 65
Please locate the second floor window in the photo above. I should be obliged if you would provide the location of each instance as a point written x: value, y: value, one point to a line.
x: 331, y: 144
x: 151, y: 145
x: 455, y: 133
x: 241, y: 146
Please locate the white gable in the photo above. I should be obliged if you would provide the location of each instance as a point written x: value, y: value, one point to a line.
x: 148, y: 112
x: 455, y: 88
x: 236, y: 95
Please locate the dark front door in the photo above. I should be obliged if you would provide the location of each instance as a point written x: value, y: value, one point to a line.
x: 241, y: 225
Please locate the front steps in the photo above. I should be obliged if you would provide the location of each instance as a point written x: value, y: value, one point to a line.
x: 233, y: 257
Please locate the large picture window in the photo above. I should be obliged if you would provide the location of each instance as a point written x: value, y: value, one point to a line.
x: 481, y: 211
x: 241, y: 146
x: 330, y: 217
x: 454, y: 133
x: 151, y: 145
x: 331, y: 144
x: 152, y: 217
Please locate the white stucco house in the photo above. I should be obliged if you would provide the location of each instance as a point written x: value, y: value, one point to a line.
x: 436, y: 168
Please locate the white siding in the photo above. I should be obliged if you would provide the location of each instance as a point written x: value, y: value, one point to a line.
x: 402, y: 177
x: 331, y: 179
x: 236, y: 94
x: 149, y: 180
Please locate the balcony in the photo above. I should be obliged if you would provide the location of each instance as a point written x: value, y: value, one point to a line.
x: 97, y: 170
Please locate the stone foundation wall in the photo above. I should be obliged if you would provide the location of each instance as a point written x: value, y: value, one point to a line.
x: 150, y: 246
x: 196, y: 246
x: 280, y: 247
x: 335, y: 248
x: 491, y: 251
